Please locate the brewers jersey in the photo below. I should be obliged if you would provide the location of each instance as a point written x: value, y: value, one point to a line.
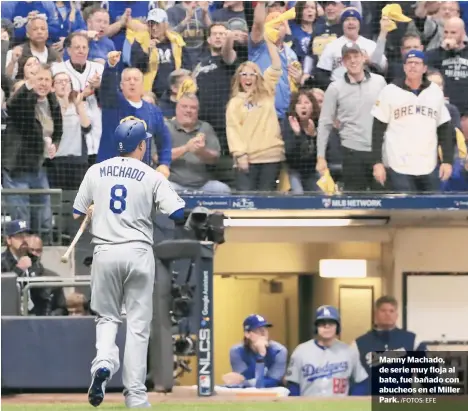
x: 325, y: 372
x: 124, y: 191
x: 410, y: 142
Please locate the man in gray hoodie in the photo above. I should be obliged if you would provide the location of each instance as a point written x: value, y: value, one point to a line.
x: 349, y: 100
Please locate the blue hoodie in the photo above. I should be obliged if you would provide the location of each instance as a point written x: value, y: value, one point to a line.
x: 64, y: 27
x: 116, y: 9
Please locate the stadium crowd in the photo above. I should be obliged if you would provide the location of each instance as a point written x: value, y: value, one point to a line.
x: 239, y: 96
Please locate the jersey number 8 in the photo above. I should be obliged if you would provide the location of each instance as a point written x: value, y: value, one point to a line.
x: 118, y: 196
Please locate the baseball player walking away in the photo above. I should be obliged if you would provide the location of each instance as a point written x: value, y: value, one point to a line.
x: 324, y: 366
x: 257, y: 362
x: 124, y: 191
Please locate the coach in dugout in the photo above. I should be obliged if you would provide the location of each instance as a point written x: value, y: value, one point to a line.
x: 385, y: 336
x: 257, y: 362
x: 410, y: 122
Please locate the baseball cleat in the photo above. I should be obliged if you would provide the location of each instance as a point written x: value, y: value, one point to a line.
x: 97, y: 389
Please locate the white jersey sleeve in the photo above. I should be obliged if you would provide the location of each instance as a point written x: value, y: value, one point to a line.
x: 293, y: 373
x: 84, y: 197
x: 166, y: 199
x: 382, y: 109
x: 359, y: 374
x: 444, y: 114
x: 326, y: 59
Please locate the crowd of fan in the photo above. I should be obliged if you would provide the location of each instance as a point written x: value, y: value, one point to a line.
x: 241, y: 87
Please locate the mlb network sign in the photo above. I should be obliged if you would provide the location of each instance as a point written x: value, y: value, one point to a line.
x: 351, y: 203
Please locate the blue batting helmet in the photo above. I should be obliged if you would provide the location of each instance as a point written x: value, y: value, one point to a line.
x: 130, y: 132
x: 330, y: 313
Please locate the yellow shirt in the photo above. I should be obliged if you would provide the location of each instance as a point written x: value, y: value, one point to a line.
x: 255, y: 130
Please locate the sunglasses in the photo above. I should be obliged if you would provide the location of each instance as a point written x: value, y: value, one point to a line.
x: 244, y: 74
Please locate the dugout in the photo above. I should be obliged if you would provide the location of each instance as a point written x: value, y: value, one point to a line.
x: 273, y: 270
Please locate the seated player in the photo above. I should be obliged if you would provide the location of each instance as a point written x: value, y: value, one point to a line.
x: 258, y: 362
x: 325, y: 365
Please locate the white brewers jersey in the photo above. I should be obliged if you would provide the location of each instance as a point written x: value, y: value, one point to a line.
x: 331, y: 59
x: 125, y: 192
x: 410, y: 142
x: 325, y: 372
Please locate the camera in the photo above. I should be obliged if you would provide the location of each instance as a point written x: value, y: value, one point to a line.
x: 182, y: 301
x: 205, y: 225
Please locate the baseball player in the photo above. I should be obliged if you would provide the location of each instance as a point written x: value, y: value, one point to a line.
x: 410, y: 121
x: 258, y: 362
x: 324, y: 366
x: 124, y: 191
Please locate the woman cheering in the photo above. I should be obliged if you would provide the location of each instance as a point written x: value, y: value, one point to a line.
x: 252, y: 127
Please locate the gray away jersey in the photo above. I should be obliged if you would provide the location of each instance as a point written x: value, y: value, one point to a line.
x: 325, y: 372
x: 125, y: 192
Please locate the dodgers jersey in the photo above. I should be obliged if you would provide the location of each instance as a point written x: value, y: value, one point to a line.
x: 331, y: 58
x: 125, y: 192
x: 325, y: 372
x: 410, y: 142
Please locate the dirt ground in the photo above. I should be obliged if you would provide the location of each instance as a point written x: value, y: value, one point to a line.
x: 179, y: 395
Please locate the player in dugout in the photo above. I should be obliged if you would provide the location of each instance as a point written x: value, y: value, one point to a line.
x: 257, y: 362
x: 325, y: 366
x: 386, y: 337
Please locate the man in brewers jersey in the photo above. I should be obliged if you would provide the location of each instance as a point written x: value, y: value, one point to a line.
x: 124, y: 191
x: 324, y: 366
x: 410, y: 122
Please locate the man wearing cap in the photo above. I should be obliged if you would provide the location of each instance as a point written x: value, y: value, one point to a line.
x: 156, y: 50
x: 257, y: 362
x: 17, y: 259
x: 325, y: 366
x: 350, y: 100
x: 330, y: 66
x: 410, y: 121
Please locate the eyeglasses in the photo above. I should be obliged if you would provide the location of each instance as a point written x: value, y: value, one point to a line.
x: 63, y: 82
x: 245, y: 74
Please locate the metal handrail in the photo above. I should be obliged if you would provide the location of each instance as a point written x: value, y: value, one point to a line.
x: 54, y: 205
x: 63, y: 284
x: 45, y: 279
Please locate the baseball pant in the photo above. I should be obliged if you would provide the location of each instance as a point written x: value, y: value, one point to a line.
x: 123, y: 273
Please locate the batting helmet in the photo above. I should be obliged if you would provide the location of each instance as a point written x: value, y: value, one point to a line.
x: 130, y: 133
x: 330, y: 313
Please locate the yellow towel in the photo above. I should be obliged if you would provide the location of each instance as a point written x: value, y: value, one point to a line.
x: 188, y: 86
x: 292, y: 82
x: 395, y: 14
x: 136, y: 31
x: 326, y: 183
x: 274, y: 19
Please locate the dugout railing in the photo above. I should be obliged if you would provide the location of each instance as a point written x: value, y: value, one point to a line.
x: 52, y: 237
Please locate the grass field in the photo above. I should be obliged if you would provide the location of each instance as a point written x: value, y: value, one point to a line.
x: 215, y: 406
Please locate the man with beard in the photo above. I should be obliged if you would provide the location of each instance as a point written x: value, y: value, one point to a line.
x: 451, y: 59
x: 324, y: 366
x: 18, y: 259
x: 214, y: 73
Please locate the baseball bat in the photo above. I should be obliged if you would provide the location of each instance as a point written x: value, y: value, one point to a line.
x: 79, y: 233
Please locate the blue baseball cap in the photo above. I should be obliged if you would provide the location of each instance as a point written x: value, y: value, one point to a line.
x: 254, y: 321
x: 16, y: 227
x: 416, y: 54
